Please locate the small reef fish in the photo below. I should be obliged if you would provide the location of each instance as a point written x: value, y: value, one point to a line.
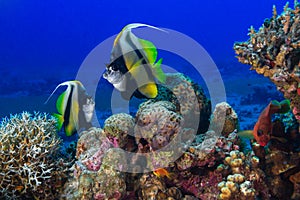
x: 19, y: 188
x: 161, y: 172
x: 137, y: 57
x: 74, y: 106
x: 263, y: 128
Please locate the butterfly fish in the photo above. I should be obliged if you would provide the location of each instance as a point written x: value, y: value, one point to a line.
x: 262, y: 131
x: 75, y: 108
x: 133, y: 68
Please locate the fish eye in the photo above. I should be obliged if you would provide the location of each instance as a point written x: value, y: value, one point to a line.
x: 115, y: 67
x: 260, y: 132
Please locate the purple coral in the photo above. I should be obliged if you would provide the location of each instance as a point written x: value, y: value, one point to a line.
x: 97, y: 172
x: 203, y: 187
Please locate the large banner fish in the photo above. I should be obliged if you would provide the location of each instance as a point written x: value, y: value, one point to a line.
x: 75, y: 108
x: 133, y: 67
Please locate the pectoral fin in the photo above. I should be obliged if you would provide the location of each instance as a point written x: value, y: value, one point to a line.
x: 158, y: 72
x: 70, y: 129
x: 248, y: 134
x: 60, y: 120
x: 60, y: 103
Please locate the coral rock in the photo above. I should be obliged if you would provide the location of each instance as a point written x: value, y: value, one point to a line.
x: 189, y: 99
x: 117, y: 127
x: 224, y: 111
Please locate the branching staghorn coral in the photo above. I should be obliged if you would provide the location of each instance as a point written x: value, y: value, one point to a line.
x: 29, y: 167
x: 274, y: 51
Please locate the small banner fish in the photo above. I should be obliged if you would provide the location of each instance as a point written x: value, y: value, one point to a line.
x: 75, y: 108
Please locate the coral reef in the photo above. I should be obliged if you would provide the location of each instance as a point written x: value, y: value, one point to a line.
x: 189, y: 99
x: 117, y: 128
x: 221, y: 171
x: 150, y: 187
x: 212, y: 166
x: 157, y: 123
x: 282, y: 168
x: 30, y: 166
x: 245, y: 179
x: 97, y: 174
x: 295, y: 179
x: 274, y: 51
x: 224, y: 110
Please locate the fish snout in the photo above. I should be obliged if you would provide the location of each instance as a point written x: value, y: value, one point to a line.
x: 106, y: 74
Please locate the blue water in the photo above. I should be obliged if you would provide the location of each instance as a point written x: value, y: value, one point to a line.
x: 43, y: 43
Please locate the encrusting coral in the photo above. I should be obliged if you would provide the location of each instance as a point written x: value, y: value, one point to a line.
x: 224, y: 111
x: 157, y: 123
x: 274, y: 51
x: 29, y: 163
x: 96, y: 173
x: 295, y: 179
x: 230, y: 173
x: 189, y: 99
x: 117, y: 127
x: 151, y: 187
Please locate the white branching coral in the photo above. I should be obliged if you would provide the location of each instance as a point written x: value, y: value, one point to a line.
x: 28, y: 166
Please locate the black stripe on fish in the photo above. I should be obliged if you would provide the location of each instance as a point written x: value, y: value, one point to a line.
x: 118, y: 65
x: 68, y: 108
x: 141, y: 56
x: 135, y: 49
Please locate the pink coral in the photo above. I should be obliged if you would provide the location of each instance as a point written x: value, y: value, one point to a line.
x: 296, y: 112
